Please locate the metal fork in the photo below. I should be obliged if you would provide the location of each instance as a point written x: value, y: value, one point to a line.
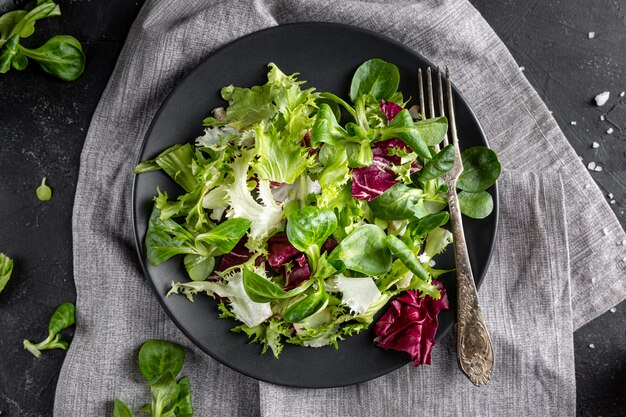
x: 473, y: 344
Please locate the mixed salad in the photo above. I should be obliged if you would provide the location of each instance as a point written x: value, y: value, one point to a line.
x: 305, y: 214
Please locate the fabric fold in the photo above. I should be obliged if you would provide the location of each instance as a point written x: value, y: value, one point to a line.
x: 555, y: 249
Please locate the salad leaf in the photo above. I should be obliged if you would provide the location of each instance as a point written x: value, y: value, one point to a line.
x: 475, y: 205
x: 121, y: 410
x: 333, y: 176
x: 165, y: 239
x: 264, y: 218
x: 439, y: 165
x: 364, y: 251
x: 247, y: 105
x: 61, y: 56
x: 389, y: 109
x: 177, y: 162
x: 62, y: 318
x: 403, y: 128
x: 326, y: 128
x: 6, y: 269
x: 372, y: 181
x: 399, y: 202
x: 281, y: 158
x: 375, y: 77
x: 432, y: 131
x: 437, y: 240
x: 481, y: 169
x: 406, y: 256
x: 308, y: 229
x: 199, y: 267
x: 261, y: 289
x: 419, y: 228
x: 225, y: 236
x: 307, y: 306
x: 410, y: 325
x: 358, y: 293
x: 157, y: 357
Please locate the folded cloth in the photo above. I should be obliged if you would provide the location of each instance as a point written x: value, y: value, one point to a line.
x: 555, y: 264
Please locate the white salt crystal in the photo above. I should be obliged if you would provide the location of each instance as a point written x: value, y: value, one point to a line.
x: 598, y: 168
x: 591, y: 165
x: 522, y: 68
x: 605, y: 231
x: 613, y: 310
x: 595, y: 145
x: 592, y: 35
x: 573, y: 123
x: 612, y: 201
x: 622, y: 94
x: 610, y: 130
x: 432, y: 264
x: 592, y: 346
x: 602, y: 117
x: 610, y: 195
x: 602, y: 98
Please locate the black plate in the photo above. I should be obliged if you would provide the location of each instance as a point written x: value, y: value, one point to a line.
x: 326, y: 55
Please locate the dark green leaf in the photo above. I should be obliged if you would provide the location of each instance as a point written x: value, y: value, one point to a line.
x: 308, y: 306
x: 403, y: 127
x: 363, y: 251
x: 398, y: 203
x: 121, y: 410
x: 476, y: 205
x: 407, y: 257
x: 63, y: 317
x: 375, y: 77
x: 334, y: 106
x: 159, y: 357
x: 6, y: 268
x: 421, y: 227
x: 310, y: 227
x: 177, y: 163
x: 481, y: 169
x: 432, y: 130
x: 199, y: 267
x: 439, y: 165
x: 260, y: 289
x: 61, y: 56
x: 225, y: 236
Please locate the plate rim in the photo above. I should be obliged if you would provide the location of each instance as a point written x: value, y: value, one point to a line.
x: 197, y: 67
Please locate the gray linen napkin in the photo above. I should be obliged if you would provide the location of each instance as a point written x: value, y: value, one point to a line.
x: 555, y: 265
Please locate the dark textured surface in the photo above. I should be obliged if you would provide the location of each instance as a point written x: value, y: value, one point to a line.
x: 43, y: 123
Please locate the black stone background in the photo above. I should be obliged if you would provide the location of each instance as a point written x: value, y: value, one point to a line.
x: 43, y: 123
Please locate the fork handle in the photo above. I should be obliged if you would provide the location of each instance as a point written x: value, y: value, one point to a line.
x: 474, y: 347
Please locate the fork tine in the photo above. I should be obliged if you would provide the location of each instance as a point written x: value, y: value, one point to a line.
x: 431, y: 98
x: 420, y: 88
x: 442, y: 110
x: 451, y: 121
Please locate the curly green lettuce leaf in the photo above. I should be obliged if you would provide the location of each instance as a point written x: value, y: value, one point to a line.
x: 265, y: 216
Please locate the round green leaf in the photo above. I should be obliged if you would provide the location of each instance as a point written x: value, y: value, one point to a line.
x: 310, y: 226
x: 44, y: 193
x: 481, y: 169
x: 364, y: 251
x: 159, y: 356
x: 476, y: 205
x: 375, y: 77
x: 63, y: 317
x: 199, y: 267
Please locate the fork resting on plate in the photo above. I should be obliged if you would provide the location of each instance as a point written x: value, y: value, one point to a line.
x: 474, y: 347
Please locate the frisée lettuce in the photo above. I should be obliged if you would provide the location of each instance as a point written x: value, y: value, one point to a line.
x: 304, y: 214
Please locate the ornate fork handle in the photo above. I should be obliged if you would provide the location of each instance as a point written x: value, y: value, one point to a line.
x: 474, y: 347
